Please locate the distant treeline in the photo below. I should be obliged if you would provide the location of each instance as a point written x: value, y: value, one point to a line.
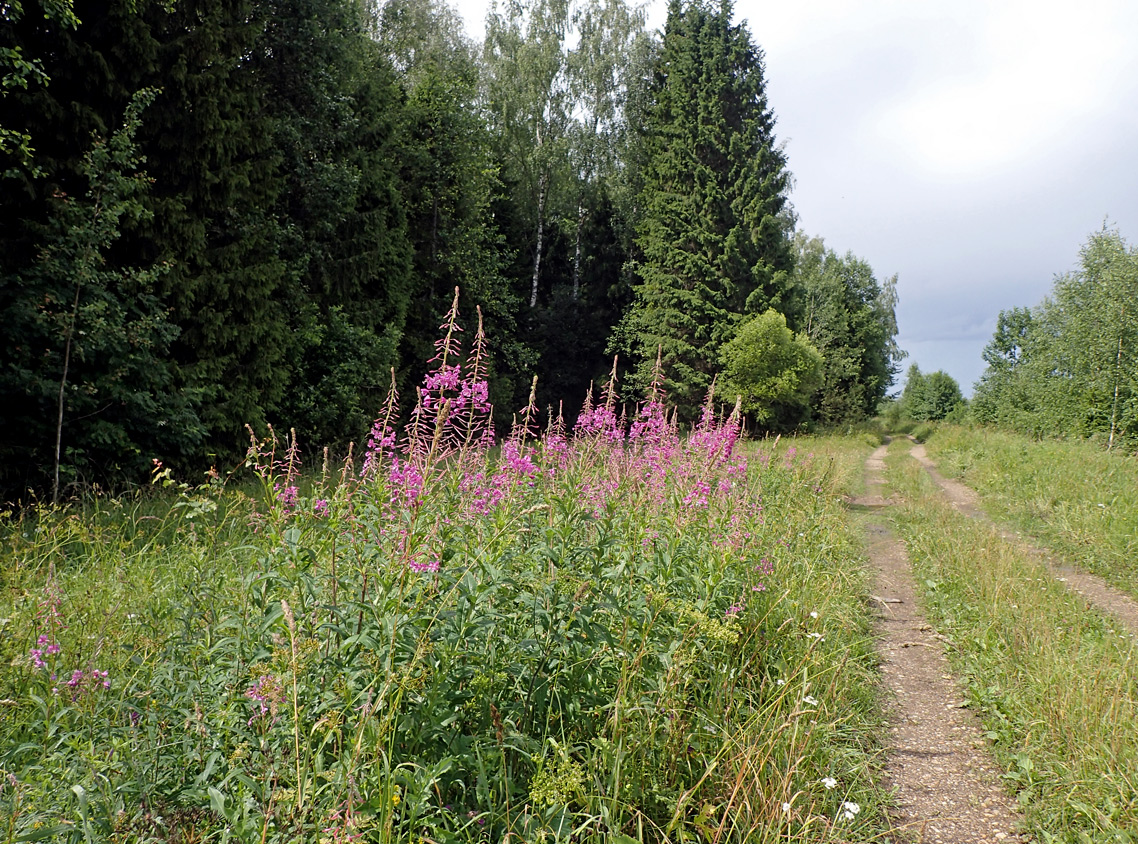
x: 216, y: 213
x: 1068, y: 367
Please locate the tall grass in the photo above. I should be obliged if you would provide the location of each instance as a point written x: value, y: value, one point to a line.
x: 1053, y: 682
x: 1073, y: 496
x: 623, y: 635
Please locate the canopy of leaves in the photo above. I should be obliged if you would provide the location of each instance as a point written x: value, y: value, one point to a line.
x: 1069, y: 366
x: 321, y: 174
x: 850, y: 318
x: 773, y: 370
x: 929, y: 398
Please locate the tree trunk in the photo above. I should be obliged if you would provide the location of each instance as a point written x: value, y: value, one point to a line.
x: 62, y: 389
x: 542, y: 187
x: 577, y: 249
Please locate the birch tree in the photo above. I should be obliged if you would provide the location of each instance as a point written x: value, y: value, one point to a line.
x: 529, y: 102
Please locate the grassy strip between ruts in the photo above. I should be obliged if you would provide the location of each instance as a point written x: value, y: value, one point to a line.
x: 1074, y: 497
x: 615, y: 649
x: 1053, y: 682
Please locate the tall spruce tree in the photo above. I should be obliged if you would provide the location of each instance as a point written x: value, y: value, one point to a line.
x: 714, y: 224
x: 218, y: 175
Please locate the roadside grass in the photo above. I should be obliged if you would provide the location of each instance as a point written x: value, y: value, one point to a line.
x: 1053, y: 682
x: 594, y: 659
x: 1073, y: 497
x: 839, y: 458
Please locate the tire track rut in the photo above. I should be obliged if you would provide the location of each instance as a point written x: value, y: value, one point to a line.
x: 1094, y: 590
x: 947, y: 790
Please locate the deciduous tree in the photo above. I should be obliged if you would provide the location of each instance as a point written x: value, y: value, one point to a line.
x: 773, y: 370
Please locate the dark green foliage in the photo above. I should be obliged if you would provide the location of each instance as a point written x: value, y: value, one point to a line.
x: 20, y: 70
x: 449, y: 181
x: 337, y: 112
x: 324, y: 173
x: 713, y: 227
x: 574, y: 330
x: 86, y: 378
x: 209, y: 138
x: 275, y: 205
x: 1001, y: 396
x: 849, y: 317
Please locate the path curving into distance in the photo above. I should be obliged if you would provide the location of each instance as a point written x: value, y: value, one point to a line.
x: 947, y: 790
x: 1094, y: 590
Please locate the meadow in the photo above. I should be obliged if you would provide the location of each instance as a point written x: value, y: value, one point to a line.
x: 623, y: 634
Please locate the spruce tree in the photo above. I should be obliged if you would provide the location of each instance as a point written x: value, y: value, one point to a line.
x: 714, y: 222
x: 217, y: 175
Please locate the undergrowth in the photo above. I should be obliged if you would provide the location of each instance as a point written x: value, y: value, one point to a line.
x: 620, y: 635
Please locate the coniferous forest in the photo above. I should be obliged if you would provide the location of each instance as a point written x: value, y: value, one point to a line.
x: 220, y: 213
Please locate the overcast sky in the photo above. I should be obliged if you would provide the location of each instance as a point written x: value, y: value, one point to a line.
x: 969, y: 147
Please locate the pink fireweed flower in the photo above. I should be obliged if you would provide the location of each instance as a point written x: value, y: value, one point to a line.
x: 286, y: 496
x: 81, y: 683
x: 267, y: 693
x: 476, y: 394
x: 481, y: 497
x: 44, y: 647
x: 698, y: 496
x: 517, y: 462
x: 406, y: 483
x: 597, y: 496
x: 343, y: 828
x: 436, y: 383
x: 599, y: 422
x: 555, y: 453
x: 428, y: 566
x: 651, y: 425
x: 381, y: 441
x: 47, y: 610
x: 320, y: 507
x: 733, y: 610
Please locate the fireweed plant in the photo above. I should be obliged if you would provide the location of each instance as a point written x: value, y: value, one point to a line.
x: 610, y: 634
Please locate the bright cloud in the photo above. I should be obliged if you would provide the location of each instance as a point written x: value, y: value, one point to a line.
x: 1031, y: 76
